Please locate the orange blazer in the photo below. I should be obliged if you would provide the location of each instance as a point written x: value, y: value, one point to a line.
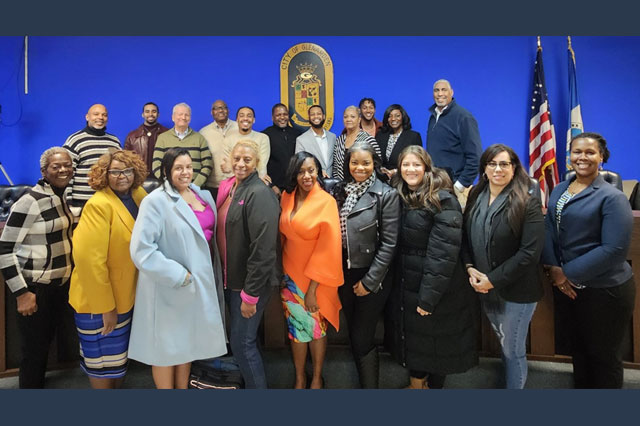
x: 312, y: 248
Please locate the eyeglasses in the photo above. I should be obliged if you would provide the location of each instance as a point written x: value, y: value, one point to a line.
x: 503, y: 164
x: 117, y: 173
x: 219, y: 108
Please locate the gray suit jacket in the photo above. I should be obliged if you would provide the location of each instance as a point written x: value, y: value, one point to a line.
x: 307, y: 142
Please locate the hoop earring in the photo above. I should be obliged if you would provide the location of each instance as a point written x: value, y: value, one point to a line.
x: 484, y: 176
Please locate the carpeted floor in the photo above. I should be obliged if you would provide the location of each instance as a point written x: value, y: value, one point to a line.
x: 340, y: 373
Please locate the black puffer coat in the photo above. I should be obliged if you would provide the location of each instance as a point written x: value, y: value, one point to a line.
x: 430, y: 274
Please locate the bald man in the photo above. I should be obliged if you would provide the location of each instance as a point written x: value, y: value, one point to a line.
x: 453, y: 140
x: 85, y: 147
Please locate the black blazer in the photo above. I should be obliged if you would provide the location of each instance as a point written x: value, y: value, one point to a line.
x: 516, y: 270
x: 407, y: 137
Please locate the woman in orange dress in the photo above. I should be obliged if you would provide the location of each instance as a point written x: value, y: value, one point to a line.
x: 312, y: 263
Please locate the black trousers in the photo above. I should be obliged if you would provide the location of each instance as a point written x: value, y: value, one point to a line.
x: 54, y: 316
x: 434, y: 381
x: 598, y: 320
x: 362, y: 312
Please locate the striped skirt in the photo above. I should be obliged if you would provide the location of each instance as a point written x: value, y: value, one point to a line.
x: 103, y: 357
x: 303, y: 325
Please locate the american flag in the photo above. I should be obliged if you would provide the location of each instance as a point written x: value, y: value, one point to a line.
x: 542, y: 137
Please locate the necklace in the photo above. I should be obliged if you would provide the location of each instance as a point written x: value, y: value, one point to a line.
x: 574, y: 188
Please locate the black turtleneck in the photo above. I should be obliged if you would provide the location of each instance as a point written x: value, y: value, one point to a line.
x: 95, y: 132
x: 58, y: 191
x: 283, y: 145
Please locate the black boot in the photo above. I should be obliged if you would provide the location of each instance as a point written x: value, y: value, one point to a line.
x: 368, y: 369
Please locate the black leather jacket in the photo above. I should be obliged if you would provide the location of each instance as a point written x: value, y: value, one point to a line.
x: 372, y: 233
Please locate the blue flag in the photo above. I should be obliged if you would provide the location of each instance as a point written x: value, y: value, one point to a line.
x: 575, y: 115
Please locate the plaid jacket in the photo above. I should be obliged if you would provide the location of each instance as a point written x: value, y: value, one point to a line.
x: 35, y: 245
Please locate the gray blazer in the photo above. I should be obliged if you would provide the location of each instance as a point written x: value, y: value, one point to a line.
x: 307, y: 142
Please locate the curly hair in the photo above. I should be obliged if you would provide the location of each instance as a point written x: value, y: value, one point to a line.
x: 98, y: 176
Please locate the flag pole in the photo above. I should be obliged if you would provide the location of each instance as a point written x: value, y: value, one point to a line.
x: 26, y: 64
x: 573, y: 55
x: 539, y: 45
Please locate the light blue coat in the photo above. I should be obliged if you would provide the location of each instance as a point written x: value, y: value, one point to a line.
x: 174, y: 324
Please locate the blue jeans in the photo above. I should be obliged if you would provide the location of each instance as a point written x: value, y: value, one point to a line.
x: 510, y: 321
x: 243, y: 340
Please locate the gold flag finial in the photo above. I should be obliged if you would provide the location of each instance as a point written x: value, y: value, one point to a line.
x: 573, y: 55
x: 539, y: 45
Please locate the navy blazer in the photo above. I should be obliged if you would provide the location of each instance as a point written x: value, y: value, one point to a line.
x: 407, y: 137
x: 594, y: 236
x: 515, y: 259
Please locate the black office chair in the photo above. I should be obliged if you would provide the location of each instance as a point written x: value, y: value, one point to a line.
x: 329, y: 183
x: 150, y: 184
x: 610, y: 177
x: 9, y: 194
x: 634, y: 198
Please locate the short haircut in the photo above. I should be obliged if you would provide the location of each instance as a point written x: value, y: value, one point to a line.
x: 247, y: 107
x: 181, y: 104
x: 355, y: 108
x: 50, y: 152
x: 219, y: 100
x: 315, y: 106
x: 273, y: 108
x: 442, y: 80
x: 98, y: 176
x: 247, y: 143
x: 151, y: 103
x: 363, y: 100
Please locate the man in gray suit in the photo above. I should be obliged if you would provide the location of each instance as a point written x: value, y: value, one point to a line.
x: 317, y: 140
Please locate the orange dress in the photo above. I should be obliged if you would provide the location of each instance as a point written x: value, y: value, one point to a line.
x: 312, y: 248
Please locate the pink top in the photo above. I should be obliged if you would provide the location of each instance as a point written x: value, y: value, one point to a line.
x: 206, y: 218
x: 221, y: 239
x: 223, y: 201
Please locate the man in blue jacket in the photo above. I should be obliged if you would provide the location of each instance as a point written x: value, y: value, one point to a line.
x: 453, y: 139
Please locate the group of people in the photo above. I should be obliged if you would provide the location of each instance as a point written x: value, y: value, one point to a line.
x: 367, y: 222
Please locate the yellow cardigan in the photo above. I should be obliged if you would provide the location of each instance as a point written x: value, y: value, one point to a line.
x: 104, y: 276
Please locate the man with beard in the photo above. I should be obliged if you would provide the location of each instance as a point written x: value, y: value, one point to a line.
x: 245, y: 117
x: 214, y: 133
x: 282, y: 140
x: 317, y: 140
x: 85, y: 147
x: 142, y: 140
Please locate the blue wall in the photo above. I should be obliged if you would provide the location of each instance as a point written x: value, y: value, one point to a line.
x: 491, y: 76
